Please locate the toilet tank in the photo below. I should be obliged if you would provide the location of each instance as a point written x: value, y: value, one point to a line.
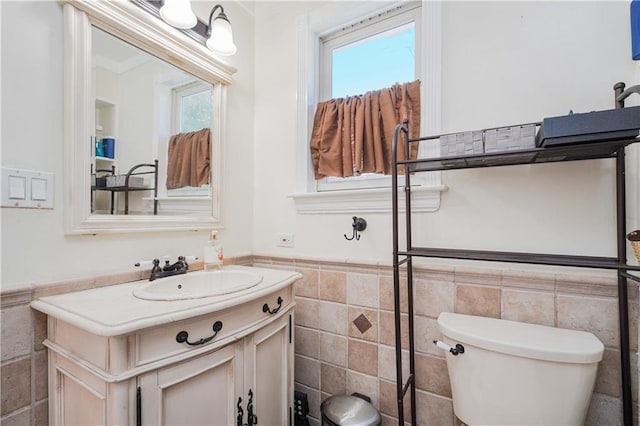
x: 514, y: 373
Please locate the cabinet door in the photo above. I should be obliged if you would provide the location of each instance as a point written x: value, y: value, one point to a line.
x: 71, y: 384
x: 199, y: 391
x: 268, y: 371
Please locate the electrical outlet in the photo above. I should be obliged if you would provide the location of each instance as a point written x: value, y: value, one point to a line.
x: 285, y: 240
x: 301, y: 408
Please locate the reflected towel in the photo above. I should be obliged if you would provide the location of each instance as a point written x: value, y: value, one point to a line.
x: 189, y: 159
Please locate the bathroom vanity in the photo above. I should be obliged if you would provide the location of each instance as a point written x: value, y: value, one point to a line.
x: 115, y: 358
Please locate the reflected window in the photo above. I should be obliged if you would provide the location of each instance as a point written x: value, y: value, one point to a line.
x: 193, y: 107
x: 192, y: 110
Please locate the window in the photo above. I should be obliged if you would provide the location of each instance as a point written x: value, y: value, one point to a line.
x: 369, y: 55
x: 374, y: 62
x: 338, y: 20
x: 192, y: 110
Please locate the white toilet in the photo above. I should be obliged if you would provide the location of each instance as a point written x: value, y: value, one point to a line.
x: 513, y: 373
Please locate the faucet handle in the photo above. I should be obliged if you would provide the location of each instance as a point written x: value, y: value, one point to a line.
x: 187, y: 258
x: 155, y: 265
x: 145, y: 263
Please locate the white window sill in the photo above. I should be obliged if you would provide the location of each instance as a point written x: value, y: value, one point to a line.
x: 174, y: 205
x: 375, y: 200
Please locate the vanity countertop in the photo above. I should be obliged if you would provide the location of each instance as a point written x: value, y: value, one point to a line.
x: 114, y: 310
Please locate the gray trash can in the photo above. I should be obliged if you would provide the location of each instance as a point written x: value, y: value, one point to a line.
x: 349, y: 410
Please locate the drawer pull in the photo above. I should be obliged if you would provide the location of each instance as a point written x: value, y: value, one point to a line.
x: 183, y: 336
x: 265, y: 307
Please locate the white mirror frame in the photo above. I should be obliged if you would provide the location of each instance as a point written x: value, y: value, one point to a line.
x: 127, y: 21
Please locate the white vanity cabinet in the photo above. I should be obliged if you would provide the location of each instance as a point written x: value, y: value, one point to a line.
x: 207, y: 390
x: 204, y: 361
x: 201, y: 391
x: 269, y: 352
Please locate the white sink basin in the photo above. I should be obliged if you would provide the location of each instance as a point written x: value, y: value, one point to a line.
x: 194, y: 285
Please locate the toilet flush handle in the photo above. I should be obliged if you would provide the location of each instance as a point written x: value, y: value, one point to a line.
x: 459, y: 349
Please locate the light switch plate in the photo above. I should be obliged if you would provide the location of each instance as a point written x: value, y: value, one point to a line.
x: 39, y: 189
x: 27, y: 189
x: 17, y: 187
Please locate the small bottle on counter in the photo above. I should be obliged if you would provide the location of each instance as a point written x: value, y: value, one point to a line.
x: 213, y: 254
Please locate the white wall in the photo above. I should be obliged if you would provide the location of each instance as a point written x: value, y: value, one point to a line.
x: 34, y: 247
x: 503, y: 63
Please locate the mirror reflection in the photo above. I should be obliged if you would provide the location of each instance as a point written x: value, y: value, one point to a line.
x: 151, y: 148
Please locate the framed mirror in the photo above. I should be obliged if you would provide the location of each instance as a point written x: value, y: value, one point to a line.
x: 134, y: 87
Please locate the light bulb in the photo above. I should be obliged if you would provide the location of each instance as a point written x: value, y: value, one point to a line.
x: 178, y: 13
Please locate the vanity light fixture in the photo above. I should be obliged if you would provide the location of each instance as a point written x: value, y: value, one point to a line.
x: 220, y: 35
x: 178, y: 13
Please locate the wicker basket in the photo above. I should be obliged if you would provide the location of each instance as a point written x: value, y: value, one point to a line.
x: 636, y: 249
x: 634, y: 239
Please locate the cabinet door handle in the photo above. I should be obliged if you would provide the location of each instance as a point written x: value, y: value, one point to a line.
x: 138, y: 406
x: 252, y: 419
x: 265, y: 307
x: 183, y: 336
x: 240, y: 417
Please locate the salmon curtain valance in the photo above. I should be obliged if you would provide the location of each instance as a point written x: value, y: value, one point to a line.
x: 189, y: 159
x: 353, y: 135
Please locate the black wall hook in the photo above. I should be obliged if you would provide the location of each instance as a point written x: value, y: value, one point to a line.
x: 359, y: 225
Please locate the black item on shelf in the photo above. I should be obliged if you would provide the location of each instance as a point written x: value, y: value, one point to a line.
x: 622, y: 123
x: 127, y: 187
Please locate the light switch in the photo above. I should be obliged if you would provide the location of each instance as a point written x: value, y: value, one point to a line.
x: 26, y: 189
x: 38, y: 189
x: 17, y: 187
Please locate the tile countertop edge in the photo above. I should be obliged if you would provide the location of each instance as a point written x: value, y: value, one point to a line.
x: 56, y: 307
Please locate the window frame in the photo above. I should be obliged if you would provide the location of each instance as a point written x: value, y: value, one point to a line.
x: 366, y: 29
x: 322, y: 22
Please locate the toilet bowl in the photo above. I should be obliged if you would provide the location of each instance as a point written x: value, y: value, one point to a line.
x: 512, y: 373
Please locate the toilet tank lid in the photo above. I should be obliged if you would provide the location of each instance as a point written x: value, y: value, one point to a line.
x: 522, y: 339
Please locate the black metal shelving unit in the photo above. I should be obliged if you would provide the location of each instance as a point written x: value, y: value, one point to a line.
x: 127, y: 188
x: 606, y: 149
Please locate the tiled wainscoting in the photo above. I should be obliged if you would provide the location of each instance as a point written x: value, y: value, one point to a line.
x: 345, y: 339
x: 345, y: 331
